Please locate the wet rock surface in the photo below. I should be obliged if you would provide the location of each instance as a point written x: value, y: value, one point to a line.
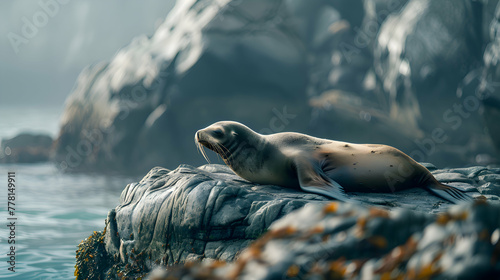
x: 339, y: 241
x: 194, y: 213
x: 209, y: 213
x: 26, y: 148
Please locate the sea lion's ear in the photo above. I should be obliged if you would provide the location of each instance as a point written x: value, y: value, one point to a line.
x: 314, y: 180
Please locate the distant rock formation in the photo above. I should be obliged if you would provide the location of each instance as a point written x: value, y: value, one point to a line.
x: 193, y: 214
x: 394, y: 72
x: 26, y: 148
x: 209, y: 60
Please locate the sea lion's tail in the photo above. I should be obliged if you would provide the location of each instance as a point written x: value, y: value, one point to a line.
x: 448, y: 193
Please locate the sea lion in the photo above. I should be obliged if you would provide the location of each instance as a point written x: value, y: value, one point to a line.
x: 321, y: 166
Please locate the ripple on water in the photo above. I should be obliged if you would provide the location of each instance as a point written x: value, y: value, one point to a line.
x: 55, y: 212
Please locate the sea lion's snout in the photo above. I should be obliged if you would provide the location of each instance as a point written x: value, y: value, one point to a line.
x: 209, y: 137
x: 200, y: 137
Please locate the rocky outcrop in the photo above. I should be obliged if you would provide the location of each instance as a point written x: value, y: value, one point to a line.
x: 209, y: 60
x: 363, y: 71
x: 421, y: 55
x: 424, y: 54
x: 340, y: 241
x: 488, y: 89
x: 26, y: 148
x: 193, y: 214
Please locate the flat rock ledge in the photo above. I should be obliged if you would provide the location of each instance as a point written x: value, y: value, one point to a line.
x: 209, y: 214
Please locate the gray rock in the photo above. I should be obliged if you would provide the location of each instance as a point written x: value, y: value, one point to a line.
x: 26, y: 148
x: 238, y: 60
x: 340, y: 241
x: 360, y: 70
x: 423, y: 54
x: 376, y: 13
x: 490, y: 78
x: 407, y: 47
x: 452, y: 177
x: 194, y: 213
x: 209, y: 213
x: 489, y: 188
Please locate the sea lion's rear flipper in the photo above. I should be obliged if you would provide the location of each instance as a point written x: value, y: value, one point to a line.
x: 449, y: 193
x: 313, y: 179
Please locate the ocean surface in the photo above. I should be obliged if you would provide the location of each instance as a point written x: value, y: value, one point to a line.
x: 54, y: 211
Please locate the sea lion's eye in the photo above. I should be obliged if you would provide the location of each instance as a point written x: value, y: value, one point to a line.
x: 218, y: 133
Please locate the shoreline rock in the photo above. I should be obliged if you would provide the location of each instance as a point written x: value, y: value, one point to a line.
x: 26, y: 148
x: 340, y: 241
x: 208, y: 213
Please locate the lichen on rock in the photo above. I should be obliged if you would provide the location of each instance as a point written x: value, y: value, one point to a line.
x: 340, y: 241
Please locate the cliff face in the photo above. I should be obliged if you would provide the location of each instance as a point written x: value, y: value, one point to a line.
x: 209, y: 60
x: 398, y: 72
x: 209, y: 213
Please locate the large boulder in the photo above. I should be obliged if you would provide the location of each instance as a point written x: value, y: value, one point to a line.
x: 399, y: 72
x: 488, y: 90
x: 421, y: 60
x: 210, y: 60
x: 340, y: 241
x: 420, y: 55
x: 193, y: 214
x: 257, y: 62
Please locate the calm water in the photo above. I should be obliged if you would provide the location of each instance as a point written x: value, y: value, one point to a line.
x: 55, y: 211
x: 14, y: 120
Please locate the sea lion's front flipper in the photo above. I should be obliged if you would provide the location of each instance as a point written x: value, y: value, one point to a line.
x: 313, y: 179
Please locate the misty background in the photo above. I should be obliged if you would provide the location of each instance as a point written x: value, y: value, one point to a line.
x: 80, y: 33
x: 363, y: 71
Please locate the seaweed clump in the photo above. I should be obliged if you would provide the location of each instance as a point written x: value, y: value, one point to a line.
x: 92, y: 260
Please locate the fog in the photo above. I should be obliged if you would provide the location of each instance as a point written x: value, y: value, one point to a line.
x: 45, y: 44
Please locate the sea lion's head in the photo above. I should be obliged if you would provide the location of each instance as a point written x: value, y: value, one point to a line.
x: 233, y: 141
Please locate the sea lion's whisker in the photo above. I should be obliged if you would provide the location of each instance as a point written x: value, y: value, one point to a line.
x: 197, y: 145
x: 205, y: 155
x: 227, y: 155
x: 218, y: 151
x: 202, y: 150
x: 222, y: 153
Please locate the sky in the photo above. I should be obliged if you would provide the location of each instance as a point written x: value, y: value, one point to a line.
x: 44, y: 44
